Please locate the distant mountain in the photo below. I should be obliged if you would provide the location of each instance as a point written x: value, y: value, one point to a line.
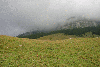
x: 79, y: 24
x: 71, y: 25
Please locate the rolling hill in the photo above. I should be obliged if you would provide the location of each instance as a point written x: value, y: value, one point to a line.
x: 25, y: 52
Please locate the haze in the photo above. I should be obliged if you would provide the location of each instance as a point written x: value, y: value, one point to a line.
x: 20, y: 16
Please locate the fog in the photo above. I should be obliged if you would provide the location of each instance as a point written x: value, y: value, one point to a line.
x: 20, y: 16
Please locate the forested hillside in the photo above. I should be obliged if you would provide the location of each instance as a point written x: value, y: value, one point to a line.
x: 80, y: 32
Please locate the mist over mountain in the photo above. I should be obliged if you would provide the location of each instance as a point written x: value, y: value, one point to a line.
x: 68, y: 25
x: 21, y: 16
x: 79, y: 23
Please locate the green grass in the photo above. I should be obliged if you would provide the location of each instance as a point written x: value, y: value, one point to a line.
x: 58, y: 36
x: 24, y: 52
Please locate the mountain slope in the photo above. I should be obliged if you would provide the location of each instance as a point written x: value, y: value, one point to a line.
x: 79, y: 24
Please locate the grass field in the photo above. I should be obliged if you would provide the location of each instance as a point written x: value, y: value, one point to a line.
x: 69, y: 51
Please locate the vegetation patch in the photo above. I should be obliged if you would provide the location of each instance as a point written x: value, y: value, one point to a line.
x: 24, y: 52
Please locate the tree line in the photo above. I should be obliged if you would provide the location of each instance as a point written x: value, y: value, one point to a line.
x: 80, y: 32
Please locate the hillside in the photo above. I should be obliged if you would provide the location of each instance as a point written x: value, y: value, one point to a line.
x: 85, y: 25
x: 79, y: 24
x: 24, y: 52
x: 79, y: 32
x: 57, y: 36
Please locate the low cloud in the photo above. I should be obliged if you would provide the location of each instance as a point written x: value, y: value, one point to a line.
x: 19, y: 16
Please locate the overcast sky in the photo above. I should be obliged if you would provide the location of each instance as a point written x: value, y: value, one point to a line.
x: 19, y: 16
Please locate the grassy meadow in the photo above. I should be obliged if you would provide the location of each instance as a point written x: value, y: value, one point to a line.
x: 56, y: 50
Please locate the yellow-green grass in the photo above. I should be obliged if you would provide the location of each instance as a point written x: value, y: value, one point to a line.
x: 24, y: 52
x: 58, y: 36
